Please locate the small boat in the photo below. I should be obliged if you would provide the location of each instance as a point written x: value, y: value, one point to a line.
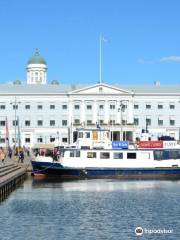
x: 96, y: 156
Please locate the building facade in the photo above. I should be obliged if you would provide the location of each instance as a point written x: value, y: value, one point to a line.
x: 37, y: 112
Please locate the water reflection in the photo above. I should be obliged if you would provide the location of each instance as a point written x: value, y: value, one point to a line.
x: 90, y: 209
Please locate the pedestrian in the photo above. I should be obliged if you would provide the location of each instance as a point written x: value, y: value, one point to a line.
x: 2, y: 155
x: 9, y: 152
x: 21, y: 156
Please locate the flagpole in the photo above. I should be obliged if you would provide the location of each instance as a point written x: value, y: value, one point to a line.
x: 100, y: 59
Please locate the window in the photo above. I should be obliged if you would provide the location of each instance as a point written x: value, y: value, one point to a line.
x: 52, y: 107
x: 136, y: 106
x: 104, y: 155
x: 101, y: 106
x: 27, y: 123
x: 172, y: 106
x: 77, y: 153
x: 2, y: 140
x: 15, y: 107
x: 39, y: 107
x: 2, y: 123
x: 2, y: 107
x: 112, y: 122
x: 71, y: 154
x: 89, y: 122
x: 89, y: 107
x: 64, y: 140
x: 112, y: 106
x: 101, y: 121
x: 118, y: 155
x: 15, y: 122
x: 39, y: 140
x: 136, y: 121
x: 52, y: 139
x: 172, y: 122
x: 158, y: 155
x: 160, y: 122
x: 80, y: 135
x: 148, y: 106
x: 52, y: 123
x: 91, y: 154
x: 160, y: 106
x: 27, y: 140
x: 64, y: 122
x: 131, y: 155
x: 76, y: 121
x: 64, y: 106
x: 40, y: 122
x: 76, y: 107
x: 87, y: 134
x: 27, y: 107
x: 148, y: 121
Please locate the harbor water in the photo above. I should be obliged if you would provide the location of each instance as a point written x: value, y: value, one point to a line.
x: 91, y: 209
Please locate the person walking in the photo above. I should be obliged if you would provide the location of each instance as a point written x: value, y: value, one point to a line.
x: 2, y: 155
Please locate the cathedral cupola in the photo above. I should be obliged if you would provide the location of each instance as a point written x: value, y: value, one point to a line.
x: 36, y: 69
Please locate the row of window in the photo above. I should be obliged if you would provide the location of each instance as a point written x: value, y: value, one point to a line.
x: 52, y: 123
x: 104, y: 155
x: 52, y: 107
x: 159, y: 106
x: 160, y: 122
x: 88, y: 107
x: 39, y: 140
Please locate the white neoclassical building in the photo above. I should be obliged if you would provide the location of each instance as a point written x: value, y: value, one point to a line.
x: 38, y: 112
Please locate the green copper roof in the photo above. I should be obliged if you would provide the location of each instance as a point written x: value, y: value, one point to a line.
x: 36, y: 59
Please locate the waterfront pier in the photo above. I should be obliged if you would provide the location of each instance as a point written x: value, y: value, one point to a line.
x: 11, y: 176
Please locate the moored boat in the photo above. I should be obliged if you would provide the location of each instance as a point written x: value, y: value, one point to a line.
x: 95, y: 156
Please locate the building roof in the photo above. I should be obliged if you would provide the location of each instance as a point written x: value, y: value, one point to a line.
x: 68, y: 88
x: 37, y: 59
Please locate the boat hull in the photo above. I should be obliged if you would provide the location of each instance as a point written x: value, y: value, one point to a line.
x: 55, y: 169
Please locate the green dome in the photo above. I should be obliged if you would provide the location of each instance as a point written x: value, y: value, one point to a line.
x: 36, y: 59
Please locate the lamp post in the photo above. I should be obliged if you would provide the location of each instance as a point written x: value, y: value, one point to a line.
x: 15, y: 104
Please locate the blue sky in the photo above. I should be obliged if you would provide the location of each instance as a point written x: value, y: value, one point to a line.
x: 143, y: 39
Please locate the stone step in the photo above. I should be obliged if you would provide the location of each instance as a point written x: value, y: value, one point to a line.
x: 8, y: 171
x: 7, y: 167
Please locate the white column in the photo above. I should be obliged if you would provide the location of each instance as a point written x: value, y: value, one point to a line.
x: 106, y: 112
x: 130, y: 115
x: 95, y: 117
x: 83, y: 112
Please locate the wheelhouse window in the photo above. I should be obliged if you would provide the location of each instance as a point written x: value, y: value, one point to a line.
x: 91, y: 154
x: 104, y: 155
x: 131, y: 155
x: 158, y: 155
x: 118, y: 155
x: 87, y: 134
x: 71, y: 154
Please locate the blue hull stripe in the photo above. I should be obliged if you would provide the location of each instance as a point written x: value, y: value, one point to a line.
x: 56, y: 169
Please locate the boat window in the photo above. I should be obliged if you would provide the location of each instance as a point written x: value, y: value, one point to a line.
x: 77, y: 153
x: 104, y: 155
x: 118, y: 155
x: 158, y: 154
x: 174, y: 154
x: 80, y: 135
x: 71, y: 153
x: 91, y: 154
x: 87, y: 134
x: 145, y: 155
x: 131, y: 155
